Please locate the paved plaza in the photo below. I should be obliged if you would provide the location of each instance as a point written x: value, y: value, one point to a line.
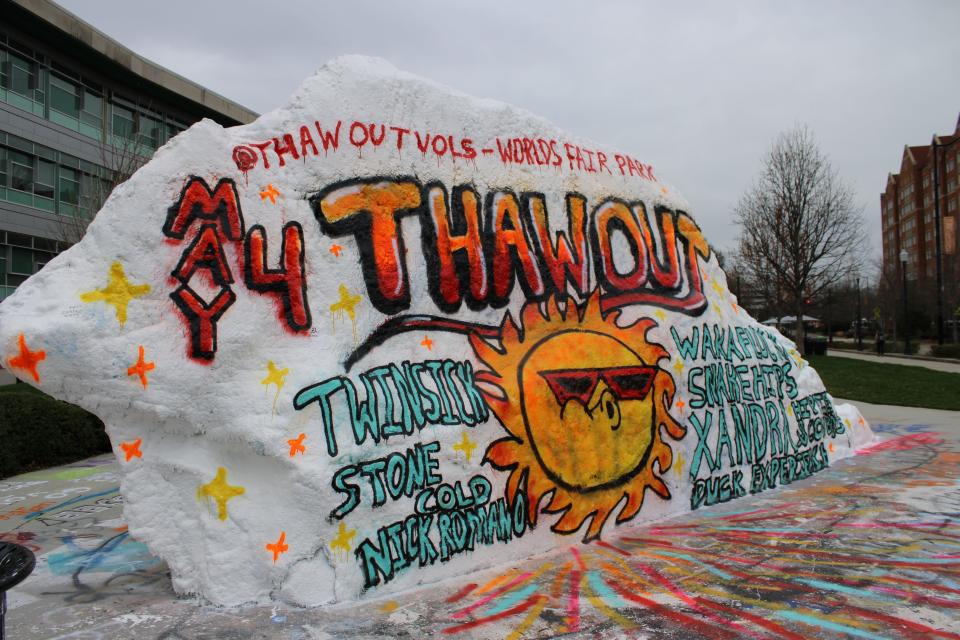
x: 869, y: 548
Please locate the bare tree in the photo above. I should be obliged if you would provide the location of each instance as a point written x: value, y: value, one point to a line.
x: 121, y: 154
x: 118, y: 161
x: 800, y: 231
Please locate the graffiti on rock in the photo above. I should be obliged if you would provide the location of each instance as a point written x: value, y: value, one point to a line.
x: 380, y: 351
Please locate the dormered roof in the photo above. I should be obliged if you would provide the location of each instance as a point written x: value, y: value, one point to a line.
x: 918, y: 155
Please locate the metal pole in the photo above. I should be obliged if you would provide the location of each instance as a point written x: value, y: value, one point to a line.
x: 936, y: 224
x: 829, y: 316
x: 906, y: 318
x: 859, y: 319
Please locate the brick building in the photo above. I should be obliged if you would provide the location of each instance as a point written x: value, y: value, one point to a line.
x: 907, y: 214
x: 73, y: 102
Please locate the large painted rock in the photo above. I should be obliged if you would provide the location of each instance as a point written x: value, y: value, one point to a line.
x: 391, y: 333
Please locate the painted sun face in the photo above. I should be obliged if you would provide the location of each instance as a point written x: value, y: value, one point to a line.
x: 585, y: 404
x: 590, y: 427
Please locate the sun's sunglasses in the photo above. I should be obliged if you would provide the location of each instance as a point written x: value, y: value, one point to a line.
x: 628, y: 383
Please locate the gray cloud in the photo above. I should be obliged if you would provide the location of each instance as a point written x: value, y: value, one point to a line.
x: 697, y: 89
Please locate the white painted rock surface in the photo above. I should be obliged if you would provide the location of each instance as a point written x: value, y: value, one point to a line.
x: 391, y: 333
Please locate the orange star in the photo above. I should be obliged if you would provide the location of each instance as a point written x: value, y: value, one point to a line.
x: 860, y: 421
x: 681, y: 404
x: 131, y: 449
x: 27, y: 360
x: 270, y: 192
x: 428, y: 343
x: 336, y: 249
x: 296, y: 445
x: 831, y: 447
x: 736, y: 309
x: 278, y: 547
x: 140, y: 368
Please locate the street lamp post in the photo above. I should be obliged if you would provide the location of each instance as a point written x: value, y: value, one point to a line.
x: 906, y: 320
x: 859, y: 318
x: 829, y: 317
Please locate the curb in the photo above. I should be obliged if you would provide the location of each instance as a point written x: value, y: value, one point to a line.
x: 897, y: 355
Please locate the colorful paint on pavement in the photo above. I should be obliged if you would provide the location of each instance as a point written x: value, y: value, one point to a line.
x: 869, y: 549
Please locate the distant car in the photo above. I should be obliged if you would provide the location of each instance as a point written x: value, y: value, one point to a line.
x: 867, y: 328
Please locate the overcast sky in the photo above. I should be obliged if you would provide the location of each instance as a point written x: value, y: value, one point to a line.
x: 697, y: 89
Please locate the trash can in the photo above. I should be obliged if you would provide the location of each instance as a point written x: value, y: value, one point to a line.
x: 16, y: 563
x: 815, y: 345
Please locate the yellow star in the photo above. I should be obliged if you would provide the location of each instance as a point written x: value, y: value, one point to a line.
x: 118, y: 292
x: 678, y: 366
x: 790, y: 409
x: 276, y: 377
x: 678, y: 464
x: 343, y: 538
x: 389, y: 606
x: 717, y: 287
x: 660, y: 315
x: 466, y: 445
x: 347, y: 303
x: 220, y: 491
x: 717, y: 308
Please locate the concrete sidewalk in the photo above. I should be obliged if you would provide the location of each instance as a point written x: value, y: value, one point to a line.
x: 936, y: 365
x: 869, y: 548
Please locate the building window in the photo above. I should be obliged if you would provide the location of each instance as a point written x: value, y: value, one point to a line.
x: 91, y: 115
x: 22, y: 261
x: 149, y: 132
x: 69, y: 186
x: 123, y: 123
x: 39, y: 177
x: 43, y: 185
x: 57, y: 93
x: 21, y: 256
x: 21, y: 171
x: 22, y: 82
x: 76, y: 107
x: 65, y: 97
x: 22, y: 76
x: 174, y: 128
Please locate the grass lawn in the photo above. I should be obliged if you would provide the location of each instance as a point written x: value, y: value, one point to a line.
x: 881, y: 383
x: 37, y: 431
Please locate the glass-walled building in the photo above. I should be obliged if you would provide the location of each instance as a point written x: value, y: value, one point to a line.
x: 77, y: 111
